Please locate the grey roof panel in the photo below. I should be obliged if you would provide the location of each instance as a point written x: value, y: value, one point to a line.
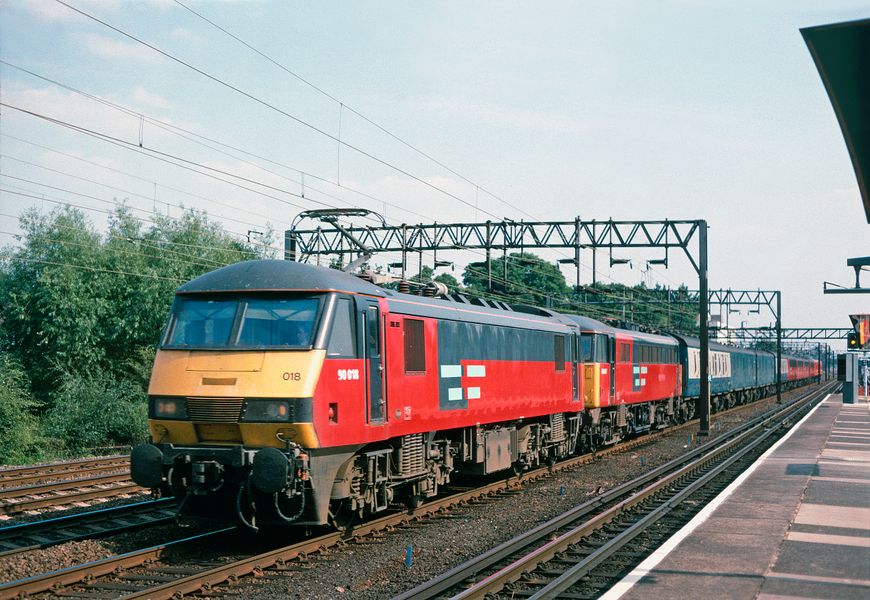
x: 278, y: 275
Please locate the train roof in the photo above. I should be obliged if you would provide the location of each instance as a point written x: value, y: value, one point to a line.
x: 278, y: 275
x: 589, y: 324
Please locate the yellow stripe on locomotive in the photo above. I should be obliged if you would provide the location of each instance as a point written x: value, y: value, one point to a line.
x: 214, y: 387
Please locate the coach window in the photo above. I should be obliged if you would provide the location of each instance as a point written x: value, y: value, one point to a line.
x: 559, y: 352
x: 341, y: 342
x: 415, y: 347
x: 624, y: 352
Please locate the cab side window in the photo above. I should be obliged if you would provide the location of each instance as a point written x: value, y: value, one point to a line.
x: 341, y: 338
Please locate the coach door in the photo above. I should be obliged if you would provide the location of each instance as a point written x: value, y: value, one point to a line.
x: 575, y: 356
x: 370, y: 319
x: 611, y: 346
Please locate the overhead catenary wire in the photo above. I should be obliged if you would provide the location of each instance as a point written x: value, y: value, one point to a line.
x: 49, y: 199
x: 200, y: 139
x: 128, y: 145
x: 211, y: 264
x: 156, y: 244
x: 344, y: 106
x: 129, y: 111
x: 136, y: 194
x: 272, y: 107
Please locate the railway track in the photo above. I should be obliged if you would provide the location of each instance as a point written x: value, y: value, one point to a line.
x: 61, y: 493
x: 62, y: 484
x: 91, y: 524
x: 170, y: 566
x: 582, y: 552
x: 17, y: 476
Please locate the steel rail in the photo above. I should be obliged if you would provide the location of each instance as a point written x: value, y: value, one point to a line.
x: 43, y: 476
x: 220, y: 574
x: 571, y: 576
x: 11, y: 508
x: 61, y: 468
x: 543, y: 534
x: 217, y: 575
x: 106, y: 566
x: 64, y: 484
x: 93, y: 523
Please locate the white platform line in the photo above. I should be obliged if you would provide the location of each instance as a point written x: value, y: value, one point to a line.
x: 644, y: 568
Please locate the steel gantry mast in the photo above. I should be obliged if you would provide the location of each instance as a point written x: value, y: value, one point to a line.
x: 690, y: 236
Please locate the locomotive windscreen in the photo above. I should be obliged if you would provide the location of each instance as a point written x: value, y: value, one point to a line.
x: 242, y: 323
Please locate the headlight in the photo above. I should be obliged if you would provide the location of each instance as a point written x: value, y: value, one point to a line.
x: 168, y: 408
x: 267, y: 411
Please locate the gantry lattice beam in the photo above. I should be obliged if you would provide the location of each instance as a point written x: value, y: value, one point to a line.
x: 577, y: 234
x: 788, y: 333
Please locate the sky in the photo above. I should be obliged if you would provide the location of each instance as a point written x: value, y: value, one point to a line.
x: 682, y: 109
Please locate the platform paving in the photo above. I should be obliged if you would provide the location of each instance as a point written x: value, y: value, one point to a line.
x: 798, y: 526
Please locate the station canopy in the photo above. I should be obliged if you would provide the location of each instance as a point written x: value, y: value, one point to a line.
x: 841, y: 52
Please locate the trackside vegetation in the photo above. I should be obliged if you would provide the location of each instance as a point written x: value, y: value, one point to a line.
x: 82, y: 312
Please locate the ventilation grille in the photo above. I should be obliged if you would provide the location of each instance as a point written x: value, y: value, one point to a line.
x: 412, y: 460
x: 558, y: 424
x: 214, y: 410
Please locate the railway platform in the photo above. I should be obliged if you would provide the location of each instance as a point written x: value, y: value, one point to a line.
x: 797, y: 525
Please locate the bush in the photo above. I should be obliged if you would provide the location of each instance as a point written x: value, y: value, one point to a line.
x: 20, y: 437
x: 97, y: 411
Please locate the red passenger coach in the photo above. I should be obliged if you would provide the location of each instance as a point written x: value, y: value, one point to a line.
x: 802, y: 369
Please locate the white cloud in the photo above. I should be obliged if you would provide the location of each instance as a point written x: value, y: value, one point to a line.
x: 142, y: 96
x: 49, y: 10
x: 73, y: 108
x: 503, y: 115
x: 109, y: 48
x: 185, y: 34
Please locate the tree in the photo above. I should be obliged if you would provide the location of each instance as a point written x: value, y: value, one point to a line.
x: 83, y: 312
x: 530, y: 279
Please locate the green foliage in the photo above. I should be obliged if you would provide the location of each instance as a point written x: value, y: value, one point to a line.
x: 20, y: 438
x: 657, y: 308
x: 446, y: 278
x: 83, y: 312
x: 530, y: 279
x: 97, y: 411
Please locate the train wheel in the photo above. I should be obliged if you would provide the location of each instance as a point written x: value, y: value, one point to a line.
x: 342, y: 516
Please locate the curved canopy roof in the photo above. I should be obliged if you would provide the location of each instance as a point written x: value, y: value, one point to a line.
x: 841, y: 52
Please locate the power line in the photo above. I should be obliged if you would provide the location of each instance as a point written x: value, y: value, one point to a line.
x: 131, y: 146
x: 166, y: 125
x: 94, y: 269
x: 181, y: 131
x: 273, y: 107
x: 169, y: 158
x: 345, y: 106
x: 107, y: 212
x: 131, y: 193
x: 268, y: 105
x: 142, y: 240
x: 211, y: 264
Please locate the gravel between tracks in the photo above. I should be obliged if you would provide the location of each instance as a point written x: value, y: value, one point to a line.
x: 377, y: 569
